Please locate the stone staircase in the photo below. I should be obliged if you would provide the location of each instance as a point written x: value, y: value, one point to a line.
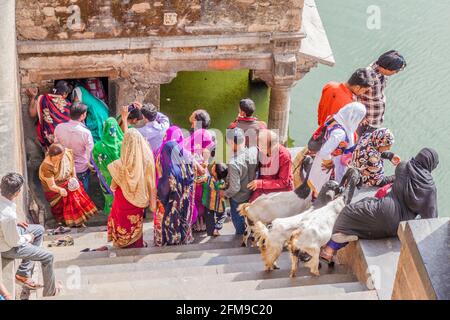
x: 210, y: 268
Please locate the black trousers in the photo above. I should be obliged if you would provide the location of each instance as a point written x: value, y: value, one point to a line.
x: 214, y: 221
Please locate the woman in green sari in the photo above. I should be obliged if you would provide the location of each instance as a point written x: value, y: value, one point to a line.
x: 106, y: 151
x: 97, y: 112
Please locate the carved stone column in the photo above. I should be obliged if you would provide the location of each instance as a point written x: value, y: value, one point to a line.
x: 280, y: 105
x: 287, y: 69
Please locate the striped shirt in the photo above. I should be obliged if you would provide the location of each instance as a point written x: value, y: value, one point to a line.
x: 374, y: 99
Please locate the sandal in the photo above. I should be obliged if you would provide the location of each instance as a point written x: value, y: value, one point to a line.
x: 59, y: 230
x: 28, y: 283
x: 67, y: 241
x: 104, y: 248
x: 327, y: 258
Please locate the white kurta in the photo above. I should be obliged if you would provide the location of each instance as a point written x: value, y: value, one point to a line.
x: 319, y: 177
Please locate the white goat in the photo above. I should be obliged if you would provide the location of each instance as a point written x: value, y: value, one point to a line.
x: 315, y: 228
x: 313, y: 232
x: 272, y: 241
x: 268, y: 207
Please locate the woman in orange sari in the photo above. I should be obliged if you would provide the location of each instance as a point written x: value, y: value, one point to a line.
x: 133, y: 184
x: 69, y: 202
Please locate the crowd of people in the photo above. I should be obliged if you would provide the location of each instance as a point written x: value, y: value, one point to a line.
x: 145, y: 163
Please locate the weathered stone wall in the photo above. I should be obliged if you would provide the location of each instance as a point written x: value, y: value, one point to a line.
x: 89, y: 19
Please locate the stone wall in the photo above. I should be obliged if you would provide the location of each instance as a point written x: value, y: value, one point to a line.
x: 423, y: 269
x: 88, y: 19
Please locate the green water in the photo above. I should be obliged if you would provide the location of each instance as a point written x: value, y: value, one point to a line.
x: 418, y: 106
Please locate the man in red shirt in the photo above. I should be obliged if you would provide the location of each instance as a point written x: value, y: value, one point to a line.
x: 337, y: 95
x: 275, y: 173
x: 248, y: 123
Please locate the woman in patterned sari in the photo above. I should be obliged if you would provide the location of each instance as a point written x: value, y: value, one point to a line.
x: 50, y: 110
x: 69, y: 202
x: 201, y: 145
x: 133, y: 184
x: 174, y: 203
x: 106, y: 151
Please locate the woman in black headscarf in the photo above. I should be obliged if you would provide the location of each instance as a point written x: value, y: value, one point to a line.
x: 413, y: 194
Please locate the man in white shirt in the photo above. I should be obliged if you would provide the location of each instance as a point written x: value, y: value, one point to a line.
x: 19, y: 240
x: 156, y: 125
x: 76, y: 136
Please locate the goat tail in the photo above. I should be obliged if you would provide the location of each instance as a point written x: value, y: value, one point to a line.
x: 242, y: 209
x: 291, y: 243
x: 261, y: 233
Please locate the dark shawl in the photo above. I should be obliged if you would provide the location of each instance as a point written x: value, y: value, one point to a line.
x: 413, y: 193
x: 415, y: 187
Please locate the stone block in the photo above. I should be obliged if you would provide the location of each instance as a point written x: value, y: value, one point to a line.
x: 140, y: 7
x: 61, y: 9
x: 48, y: 11
x: 33, y: 33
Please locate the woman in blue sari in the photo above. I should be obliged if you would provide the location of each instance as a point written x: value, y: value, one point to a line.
x: 174, y: 200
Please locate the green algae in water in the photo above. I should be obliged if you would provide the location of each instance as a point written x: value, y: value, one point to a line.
x: 218, y: 92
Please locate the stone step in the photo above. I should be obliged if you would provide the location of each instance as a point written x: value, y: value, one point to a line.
x: 95, y: 237
x: 147, y: 254
x: 200, y: 283
x: 154, y: 261
x: 240, y: 271
x: 247, y: 290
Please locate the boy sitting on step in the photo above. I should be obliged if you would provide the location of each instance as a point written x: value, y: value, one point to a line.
x: 213, y: 199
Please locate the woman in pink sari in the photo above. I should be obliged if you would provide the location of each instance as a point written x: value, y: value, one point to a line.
x: 133, y: 184
x: 201, y: 145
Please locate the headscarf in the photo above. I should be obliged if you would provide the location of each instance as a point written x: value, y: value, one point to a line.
x: 174, y: 133
x: 349, y: 117
x: 199, y: 140
x: 172, y: 161
x: 419, y: 189
x: 97, y: 112
x: 382, y: 137
x: 134, y: 172
x: 108, y: 148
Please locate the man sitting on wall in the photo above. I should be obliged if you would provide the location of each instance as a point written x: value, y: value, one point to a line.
x: 248, y: 123
x: 76, y: 136
x: 19, y: 240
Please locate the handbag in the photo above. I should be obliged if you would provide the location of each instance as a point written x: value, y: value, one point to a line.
x: 73, y: 184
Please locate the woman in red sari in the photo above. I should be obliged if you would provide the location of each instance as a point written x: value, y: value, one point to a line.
x: 50, y: 110
x: 68, y: 200
x: 133, y: 184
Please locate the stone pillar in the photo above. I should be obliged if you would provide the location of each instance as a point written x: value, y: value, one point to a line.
x: 280, y: 105
x: 12, y: 155
x: 7, y: 275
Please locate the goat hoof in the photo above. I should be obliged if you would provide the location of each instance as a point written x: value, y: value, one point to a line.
x: 331, y: 264
x: 292, y: 275
x: 275, y: 267
x: 320, y: 266
x: 243, y: 245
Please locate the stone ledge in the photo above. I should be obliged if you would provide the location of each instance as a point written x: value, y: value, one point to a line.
x: 374, y: 262
x: 424, y: 271
x: 92, y: 45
